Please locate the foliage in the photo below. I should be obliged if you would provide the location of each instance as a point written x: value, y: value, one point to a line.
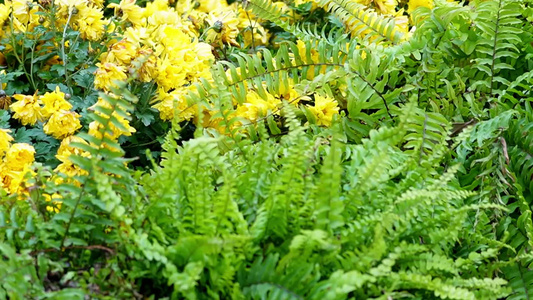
x: 334, y: 149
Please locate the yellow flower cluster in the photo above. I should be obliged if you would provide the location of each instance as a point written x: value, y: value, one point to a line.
x: 50, y: 107
x: 164, y: 45
x: 15, y: 165
x: 158, y: 45
x: 16, y: 160
x: 257, y: 107
x: 87, y: 17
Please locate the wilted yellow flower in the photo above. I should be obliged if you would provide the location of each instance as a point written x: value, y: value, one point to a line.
x: 147, y: 60
x: 19, y: 156
x: 54, y: 102
x: 324, y: 109
x: 62, y: 124
x: 5, y: 141
x: 27, y: 109
x: 107, y: 73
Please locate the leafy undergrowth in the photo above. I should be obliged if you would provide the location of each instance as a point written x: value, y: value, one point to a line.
x: 331, y: 149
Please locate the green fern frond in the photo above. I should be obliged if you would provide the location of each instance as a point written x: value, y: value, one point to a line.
x: 362, y: 21
x: 266, y: 9
x: 330, y: 206
x: 497, y: 21
x: 520, y: 280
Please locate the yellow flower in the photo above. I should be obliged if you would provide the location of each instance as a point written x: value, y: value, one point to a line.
x: 324, y: 109
x: 173, y: 104
x: 128, y: 11
x: 5, y: 141
x: 12, y: 181
x: 289, y: 94
x: 302, y: 51
x: 62, y: 124
x: 222, y: 29
x: 55, y: 206
x: 170, y: 75
x: 54, y: 102
x: 155, y: 6
x: 95, y: 128
x: 121, y: 53
x: 66, y: 150
x: 89, y: 22
x: 210, y: 5
x: 147, y: 61
x: 107, y: 73
x: 414, y: 4
x: 385, y: 7
x: 4, y: 13
x: 260, y: 35
x: 27, y: 109
x: 256, y: 107
x: 137, y: 35
x: 21, y: 10
x: 69, y: 169
x: 19, y: 156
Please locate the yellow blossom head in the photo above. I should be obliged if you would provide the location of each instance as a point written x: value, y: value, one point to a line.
x: 53, y: 202
x: 62, y: 123
x: 5, y: 141
x: 66, y: 149
x: 107, y: 73
x: 324, y: 109
x: 19, y: 156
x: 11, y: 180
x: 53, y: 102
x: 27, y: 109
x: 90, y: 23
x: 414, y: 4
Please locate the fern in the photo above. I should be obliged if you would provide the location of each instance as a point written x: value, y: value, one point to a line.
x: 497, y: 20
x: 361, y: 21
x: 521, y: 281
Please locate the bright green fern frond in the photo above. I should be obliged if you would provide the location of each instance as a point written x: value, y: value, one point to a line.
x: 362, y: 21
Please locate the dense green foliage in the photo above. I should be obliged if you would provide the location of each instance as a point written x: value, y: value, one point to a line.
x: 422, y: 188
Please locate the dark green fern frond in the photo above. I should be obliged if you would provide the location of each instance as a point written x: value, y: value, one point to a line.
x: 498, y: 23
x: 521, y: 281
